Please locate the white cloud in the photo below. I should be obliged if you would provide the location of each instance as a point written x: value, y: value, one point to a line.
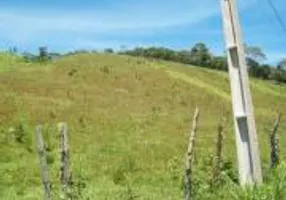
x: 23, y: 24
x: 99, y: 27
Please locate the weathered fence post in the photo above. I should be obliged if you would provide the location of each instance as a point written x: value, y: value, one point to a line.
x: 43, y: 162
x: 189, y: 157
x: 218, y: 155
x: 64, y: 170
x: 274, y: 152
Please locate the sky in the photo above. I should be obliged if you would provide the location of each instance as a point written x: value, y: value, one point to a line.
x: 65, y: 25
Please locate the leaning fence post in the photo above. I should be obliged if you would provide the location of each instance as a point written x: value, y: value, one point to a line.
x: 190, y: 157
x: 274, y: 152
x: 64, y: 170
x: 43, y: 162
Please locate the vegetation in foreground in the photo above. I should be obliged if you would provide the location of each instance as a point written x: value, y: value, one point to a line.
x: 129, y: 120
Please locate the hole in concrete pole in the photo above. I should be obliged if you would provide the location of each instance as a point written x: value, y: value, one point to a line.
x: 234, y: 56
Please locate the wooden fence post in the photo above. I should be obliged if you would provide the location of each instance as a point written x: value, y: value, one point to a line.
x: 274, y: 152
x: 43, y: 162
x: 189, y: 157
x: 218, y: 156
x: 64, y: 170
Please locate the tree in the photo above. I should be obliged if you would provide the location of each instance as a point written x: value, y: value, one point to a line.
x: 219, y: 63
x: 278, y: 75
x: 108, y: 50
x: 265, y: 71
x: 282, y: 64
x: 253, y: 66
x: 43, y: 54
x: 13, y: 50
x: 255, y: 53
x: 183, y: 56
x: 200, y: 55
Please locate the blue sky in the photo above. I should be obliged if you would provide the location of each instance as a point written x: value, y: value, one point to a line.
x: 65, y: 25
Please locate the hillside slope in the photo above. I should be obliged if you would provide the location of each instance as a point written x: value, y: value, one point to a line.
x: 128, y: 121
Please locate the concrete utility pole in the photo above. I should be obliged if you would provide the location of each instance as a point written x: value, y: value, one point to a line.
x: 246, y: 139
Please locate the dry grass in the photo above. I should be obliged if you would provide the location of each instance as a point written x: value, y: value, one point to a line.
x: 128, y: 119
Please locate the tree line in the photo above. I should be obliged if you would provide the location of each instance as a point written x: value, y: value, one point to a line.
x: 200, y: 55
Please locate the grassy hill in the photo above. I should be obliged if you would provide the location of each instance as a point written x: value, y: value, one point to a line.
x: 128, y: 119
